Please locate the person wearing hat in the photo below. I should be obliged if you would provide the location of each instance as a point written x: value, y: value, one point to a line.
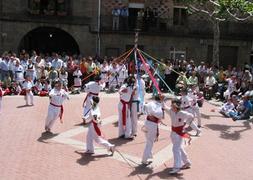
x: 179, y: 119
x: 92, y: 89
x: 187, y: 105
x: 154, y: 112
x: 94, y: 132
x: 125, y: 124
x: 55, y: 109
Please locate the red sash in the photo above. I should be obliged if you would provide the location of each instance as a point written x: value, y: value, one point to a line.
x: 179, y: 131
x: 1, y: 93
x: 95, y: 125
x: 124, y: 112
x: 154, y: 120
x: 90, y: 93
x: 60, y: 106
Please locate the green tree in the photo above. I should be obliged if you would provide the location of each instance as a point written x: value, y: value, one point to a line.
x: 218, y: 11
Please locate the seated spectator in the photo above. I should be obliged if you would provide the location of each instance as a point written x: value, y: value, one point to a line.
x: 227, y: 108
x: 243, y: 110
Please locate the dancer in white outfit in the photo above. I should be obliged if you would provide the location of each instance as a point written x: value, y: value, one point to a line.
x: 55, y: 108
x: 178, y: 121
x: 94, y: 132
x: 27, y: 85
x: 154, y: 113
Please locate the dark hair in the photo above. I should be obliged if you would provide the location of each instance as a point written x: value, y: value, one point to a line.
x: 95, y: 99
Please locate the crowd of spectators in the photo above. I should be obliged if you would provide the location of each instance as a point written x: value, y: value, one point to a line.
x: 233, y: 85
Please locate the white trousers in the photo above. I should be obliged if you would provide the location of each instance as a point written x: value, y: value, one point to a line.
x: 192, y: 124
x: 127, y: 130
x: 92, y: 135
x: 180, y: 156
x: 151, y: 134
x: 134, y: 117
x: 52, y: 115
x: 29, y: 96
x: 197, y: 115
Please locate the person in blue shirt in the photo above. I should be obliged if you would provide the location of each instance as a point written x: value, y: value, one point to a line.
x: 244, y: 110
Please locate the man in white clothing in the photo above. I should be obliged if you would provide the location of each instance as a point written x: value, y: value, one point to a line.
x: 178, y: 121
x: 55, y: 108
x: 94, y: 132
x: 124, y: 122
x: 186, y: 105
x: 92, y: 89
x: 154, y: 111
x: 27, y: 86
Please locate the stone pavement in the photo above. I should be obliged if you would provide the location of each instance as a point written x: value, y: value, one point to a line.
x: 224, y: 151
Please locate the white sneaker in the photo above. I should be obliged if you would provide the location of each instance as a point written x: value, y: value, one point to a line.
x: 174, y: 171
x: 186, y: 166
x: 198, y: 132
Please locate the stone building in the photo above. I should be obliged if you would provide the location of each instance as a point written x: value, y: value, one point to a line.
x: 72, y: 26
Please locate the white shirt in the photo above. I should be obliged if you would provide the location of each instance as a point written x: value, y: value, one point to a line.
x: 27, y: 85
x: 93, y: 87
x: 57, y: 97
x: 125, y: 93
x: 178, y: 118
x: 210, y: 81
x: 154, y: 109
x: 18, y: 73
x: 185, y: 101
x: 57, y: 64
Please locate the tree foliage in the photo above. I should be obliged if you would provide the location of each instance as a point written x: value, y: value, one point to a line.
x: 221, y: 10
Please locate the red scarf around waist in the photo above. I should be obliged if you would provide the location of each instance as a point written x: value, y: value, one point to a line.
x: 124, y: 111
x: 59, y: 106
x: 89, y: 94
x: 154, y: 120
x: 179, y: 131
x: 95, y: 125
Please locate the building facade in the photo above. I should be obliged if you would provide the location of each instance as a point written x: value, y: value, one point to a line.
x: 166, y: 30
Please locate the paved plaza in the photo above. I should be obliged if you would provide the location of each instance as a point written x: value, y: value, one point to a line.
x: 223, y: 152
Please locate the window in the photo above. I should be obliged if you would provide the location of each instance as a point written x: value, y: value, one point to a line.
x: 180, y: 16
x: 49, y: 7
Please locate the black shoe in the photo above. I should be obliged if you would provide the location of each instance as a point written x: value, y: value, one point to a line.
x: 122, y: 137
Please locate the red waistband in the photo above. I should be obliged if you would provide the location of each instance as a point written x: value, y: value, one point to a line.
x: 55, y: 105
x: 124, y: 102
x: 94, y: 94
x: 179, y: 130
x: 153, y: 119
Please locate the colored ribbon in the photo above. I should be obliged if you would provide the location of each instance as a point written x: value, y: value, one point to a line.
x: 149, y: 73
x: 95, y: 125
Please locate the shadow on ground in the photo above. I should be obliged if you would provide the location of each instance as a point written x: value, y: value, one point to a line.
x: 87, y: 158
x: 165, y: 175
x: 227, y: 132
x: 45, y: 136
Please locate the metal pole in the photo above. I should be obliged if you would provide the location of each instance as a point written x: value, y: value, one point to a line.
x: 98, y: 27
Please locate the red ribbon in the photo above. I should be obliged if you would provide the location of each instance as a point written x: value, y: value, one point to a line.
x: 124, y: 112
x: 95, y: 125
x: 149, y: 73
x: 179, y: 131
x: 60, y: 106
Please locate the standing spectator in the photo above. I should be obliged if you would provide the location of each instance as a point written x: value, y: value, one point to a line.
x: 57, y: 63
x: 140, y: 17
x: 115, y: 18
x: 124, y: 13
x: 4, y: 68
x: 70, y: 70
x: 18, y: 72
